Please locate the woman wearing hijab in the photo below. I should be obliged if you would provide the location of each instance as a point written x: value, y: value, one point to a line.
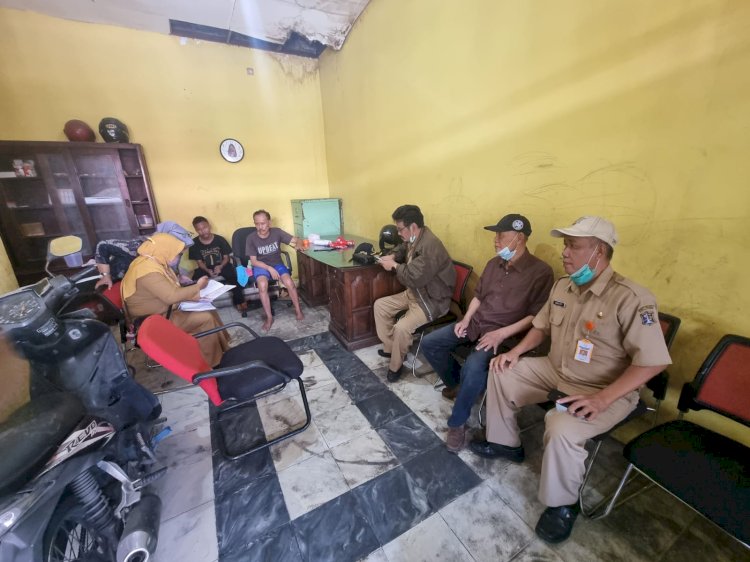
x: 150, y: 286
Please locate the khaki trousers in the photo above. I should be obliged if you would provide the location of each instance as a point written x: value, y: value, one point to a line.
x: 564, y: 434
x: 397, y: 336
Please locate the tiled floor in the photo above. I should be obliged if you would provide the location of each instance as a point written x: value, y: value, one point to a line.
x: 371, y: 480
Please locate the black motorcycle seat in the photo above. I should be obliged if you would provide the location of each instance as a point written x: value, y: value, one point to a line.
x: 32, y: 434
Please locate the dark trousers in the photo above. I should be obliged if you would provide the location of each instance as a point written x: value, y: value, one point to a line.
x: 230, y: 278
x: 437, y: 347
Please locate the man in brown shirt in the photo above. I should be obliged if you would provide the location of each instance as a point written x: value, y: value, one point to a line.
x: 512, y: 289
x: 606, y: 343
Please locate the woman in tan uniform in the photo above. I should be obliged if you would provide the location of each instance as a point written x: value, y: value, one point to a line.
x: 150, y: 287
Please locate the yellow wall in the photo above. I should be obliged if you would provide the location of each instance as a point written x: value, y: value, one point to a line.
x: 179, y: 101
x: 635, y: 110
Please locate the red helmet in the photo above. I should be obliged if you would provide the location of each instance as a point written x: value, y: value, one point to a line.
x: 78, y: 131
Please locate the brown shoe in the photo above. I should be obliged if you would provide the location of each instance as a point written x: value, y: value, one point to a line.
x: 456, y: 438
x: 450, y: 393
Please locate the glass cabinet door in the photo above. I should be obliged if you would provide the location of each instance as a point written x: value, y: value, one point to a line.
x: 100, y: 176
x: 64, y: 193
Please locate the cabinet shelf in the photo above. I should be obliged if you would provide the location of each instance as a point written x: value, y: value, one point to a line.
x: 93, y: 190
x: 29, y: 207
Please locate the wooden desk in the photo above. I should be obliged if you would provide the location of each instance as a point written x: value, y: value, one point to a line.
x: 349, y: 290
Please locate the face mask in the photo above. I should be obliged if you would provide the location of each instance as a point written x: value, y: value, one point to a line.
x: 506, y: 253
x: 412, y: 237
x: 585, y: 274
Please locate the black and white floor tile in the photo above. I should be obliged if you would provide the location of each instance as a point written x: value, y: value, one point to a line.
x: 370, y: 479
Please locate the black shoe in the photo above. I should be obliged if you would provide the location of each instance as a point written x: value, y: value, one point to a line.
x: 556, y: 523
x: 383, y: 353
x: 496, y: 451
x: 393, y: 376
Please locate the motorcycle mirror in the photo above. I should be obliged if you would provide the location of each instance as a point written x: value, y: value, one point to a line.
x: 64, y: 246
x: 67, y: 247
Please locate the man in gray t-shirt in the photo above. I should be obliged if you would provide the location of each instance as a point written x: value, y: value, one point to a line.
x: 263, y: 247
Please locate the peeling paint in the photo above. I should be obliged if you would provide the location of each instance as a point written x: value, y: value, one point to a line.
x: 297, y: 68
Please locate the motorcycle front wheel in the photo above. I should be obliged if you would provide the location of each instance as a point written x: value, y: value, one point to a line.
x: 70, y: 538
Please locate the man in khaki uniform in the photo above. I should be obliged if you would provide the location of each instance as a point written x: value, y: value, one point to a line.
x: 606, y: 343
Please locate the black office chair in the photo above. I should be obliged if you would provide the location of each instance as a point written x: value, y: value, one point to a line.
x: 275, y: 288
x: 247, y: 372
x: 702, y: 468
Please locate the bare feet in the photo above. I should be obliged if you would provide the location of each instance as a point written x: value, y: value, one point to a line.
x: 267, y: 325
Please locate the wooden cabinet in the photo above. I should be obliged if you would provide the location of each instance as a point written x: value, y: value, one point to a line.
x: 350, y: 291
x: 93, y: 190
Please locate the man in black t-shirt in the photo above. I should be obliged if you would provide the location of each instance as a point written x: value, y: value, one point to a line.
x: 212, y: 254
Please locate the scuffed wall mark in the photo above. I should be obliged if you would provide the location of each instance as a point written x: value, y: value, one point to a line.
x: 622, y: 192
x: 452, y: 215
x: 534, y: 161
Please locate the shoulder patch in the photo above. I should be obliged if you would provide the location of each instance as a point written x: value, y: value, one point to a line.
x: 648, y: 315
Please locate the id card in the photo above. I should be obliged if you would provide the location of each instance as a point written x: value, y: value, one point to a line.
x: 584, y: 348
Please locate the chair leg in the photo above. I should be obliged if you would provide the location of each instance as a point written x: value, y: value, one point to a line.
x: 586, y: 474
x: 481, y: 408
x: 414, y: 362
x: 239, y: 455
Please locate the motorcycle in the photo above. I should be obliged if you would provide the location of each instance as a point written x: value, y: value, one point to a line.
x: 79, y: 456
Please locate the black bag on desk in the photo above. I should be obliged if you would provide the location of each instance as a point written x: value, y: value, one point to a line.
x: 364, y: 254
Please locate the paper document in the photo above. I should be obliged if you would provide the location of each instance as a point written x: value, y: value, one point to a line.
x: 195, y: 306
x: 214, y: 289
x: 211, y: 291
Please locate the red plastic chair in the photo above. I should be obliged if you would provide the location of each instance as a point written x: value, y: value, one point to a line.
x: 247, y: 372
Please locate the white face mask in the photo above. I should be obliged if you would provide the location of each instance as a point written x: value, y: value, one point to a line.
x: 506, y: 253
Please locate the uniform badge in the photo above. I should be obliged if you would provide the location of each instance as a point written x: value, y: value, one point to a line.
x: 647, y: 317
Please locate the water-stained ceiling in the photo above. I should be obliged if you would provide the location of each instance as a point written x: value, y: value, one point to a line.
x: 299, y: 27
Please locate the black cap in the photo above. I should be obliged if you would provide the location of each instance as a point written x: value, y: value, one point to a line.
x: 511, y: 223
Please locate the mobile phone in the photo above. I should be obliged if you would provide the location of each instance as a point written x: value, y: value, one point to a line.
x: 555, y: 395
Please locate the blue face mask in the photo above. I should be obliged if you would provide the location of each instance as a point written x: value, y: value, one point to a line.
x: 584, y: 274
x: 506, y: 253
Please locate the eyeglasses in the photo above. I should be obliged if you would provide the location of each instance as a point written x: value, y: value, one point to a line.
x: 401, y: 228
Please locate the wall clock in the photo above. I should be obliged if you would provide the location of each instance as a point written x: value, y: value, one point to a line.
x: 231, y: 150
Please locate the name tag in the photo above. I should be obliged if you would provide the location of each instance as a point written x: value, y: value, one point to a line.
x: 559, y: 303
x: 584, y: 348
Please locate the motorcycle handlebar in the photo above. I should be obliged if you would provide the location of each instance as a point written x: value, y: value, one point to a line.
x: 81, y: 274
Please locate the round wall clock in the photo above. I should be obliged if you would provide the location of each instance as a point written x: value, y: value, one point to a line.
x: 231, y: 150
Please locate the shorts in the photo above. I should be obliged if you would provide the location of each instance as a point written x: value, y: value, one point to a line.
x: 260, y: 272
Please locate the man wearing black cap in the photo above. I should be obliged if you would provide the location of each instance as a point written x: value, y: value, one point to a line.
x: 512, y: 289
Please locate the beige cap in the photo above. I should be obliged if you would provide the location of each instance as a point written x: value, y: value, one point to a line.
x: 589, y: 226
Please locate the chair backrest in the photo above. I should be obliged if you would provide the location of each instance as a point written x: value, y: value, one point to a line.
x: 239, y: 240
x: 177, y: 351
x: 113, y: 295
x: 463, y: 271
x: 669, y: 326
x: 723, y: 381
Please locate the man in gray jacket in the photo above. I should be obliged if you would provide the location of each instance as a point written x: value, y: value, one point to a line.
x: 423, y: 266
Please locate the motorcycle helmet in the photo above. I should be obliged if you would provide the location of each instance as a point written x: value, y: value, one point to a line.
x: 113, y: 130
x: 389, y: 236
x: 78, y: 131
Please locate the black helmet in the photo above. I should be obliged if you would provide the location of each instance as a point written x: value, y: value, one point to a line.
x: 389, y: 235
x: 113, y: 130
